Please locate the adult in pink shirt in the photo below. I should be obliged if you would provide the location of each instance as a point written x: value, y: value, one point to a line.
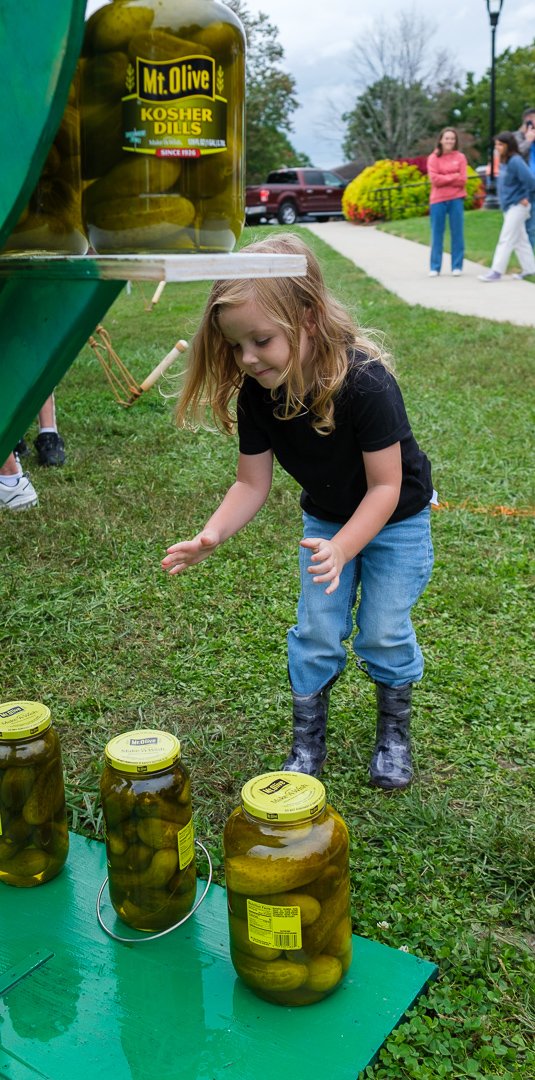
x: 446, y: 168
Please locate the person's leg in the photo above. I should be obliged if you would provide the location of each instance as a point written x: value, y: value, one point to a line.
x: 456, y: 216
x: 530, y: 224
x: 10, y: 467
x: 394, y: 570
x: 522, y: 248
x: 437, y: 216
x: 316, y: 654
x: 507, y: 239
x: 47, y: 415
x: 49, y: 444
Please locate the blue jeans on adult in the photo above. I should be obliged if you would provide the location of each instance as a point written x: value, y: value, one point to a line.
x: 392, y: 571
x: 530, y: 224
x: 438, y: 212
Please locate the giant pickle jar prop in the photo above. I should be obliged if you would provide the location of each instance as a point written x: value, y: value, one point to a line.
x: 162, y: 109
x: 146, y: 799
x: 287, y: 876
x: 51, y: 222
x: 34, y: 838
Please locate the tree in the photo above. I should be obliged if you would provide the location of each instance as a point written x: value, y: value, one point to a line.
x: 515, y: 91
x: 405, y: 90
x: 270, y: 98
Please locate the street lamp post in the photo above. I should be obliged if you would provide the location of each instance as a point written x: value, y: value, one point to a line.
x: 494, y: 8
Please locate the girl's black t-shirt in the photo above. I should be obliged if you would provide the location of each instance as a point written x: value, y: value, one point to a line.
x: 369, y: 415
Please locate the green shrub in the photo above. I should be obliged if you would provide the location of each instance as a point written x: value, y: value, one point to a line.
x: 390, y: 190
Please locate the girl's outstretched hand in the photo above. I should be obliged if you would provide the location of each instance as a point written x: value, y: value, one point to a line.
x: 189, y: 552
x: 328, y: 560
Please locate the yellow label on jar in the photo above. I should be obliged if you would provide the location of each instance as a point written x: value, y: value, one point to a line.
x: 23, y: 719
x: 175, y: 108
x: 186, y: 845
x: 274, y: 926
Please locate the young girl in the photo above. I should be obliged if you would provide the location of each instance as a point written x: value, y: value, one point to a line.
x: 318, y: 395
x: 516, y: 187
x: 446, y: 167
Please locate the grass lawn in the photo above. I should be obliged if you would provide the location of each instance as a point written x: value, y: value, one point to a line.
x: 481, y: 232
x: 91, y: 626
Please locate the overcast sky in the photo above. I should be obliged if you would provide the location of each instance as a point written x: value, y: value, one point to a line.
x: 319, y: 41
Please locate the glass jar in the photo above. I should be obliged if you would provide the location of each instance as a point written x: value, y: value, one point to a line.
x: 34, y: 838
x: 146, y: 800
x: 162, y: 112
x: 51, y: 222
x: 287, y: 876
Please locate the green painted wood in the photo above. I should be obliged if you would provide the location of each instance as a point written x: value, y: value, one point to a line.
x: 40, y: 43
x: 44, y: 324
x: 173, y: 1009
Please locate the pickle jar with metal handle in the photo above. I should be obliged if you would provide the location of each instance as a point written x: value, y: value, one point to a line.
x: 162, y: 120
x: 51, y: 222
x: 146, y: 800
x: 34, y: 838
x: 287, y: 877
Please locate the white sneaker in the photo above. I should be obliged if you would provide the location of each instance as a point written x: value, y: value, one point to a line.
x: 456, y: 273
x: 19, y: 496
x: 433, y: 273
x: 491, y: 275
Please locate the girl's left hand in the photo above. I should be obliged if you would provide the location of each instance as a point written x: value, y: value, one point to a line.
x: 328, y: 561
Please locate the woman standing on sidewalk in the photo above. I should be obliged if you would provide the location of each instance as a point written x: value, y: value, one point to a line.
x: 446, y: 168
x: 516, y: 187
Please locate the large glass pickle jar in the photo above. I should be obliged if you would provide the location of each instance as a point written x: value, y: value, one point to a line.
x: 34, y: 838
x: 287, y: 877
x: 162, y: 116
x: 146, y: 800
x: 51, y: 222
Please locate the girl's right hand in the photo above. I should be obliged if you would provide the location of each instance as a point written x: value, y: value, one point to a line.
x: 189, y: 552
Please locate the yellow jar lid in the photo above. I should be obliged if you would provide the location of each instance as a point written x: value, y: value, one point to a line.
x: 283, y: 796
x: 22, y: 719
x: 143, y: 751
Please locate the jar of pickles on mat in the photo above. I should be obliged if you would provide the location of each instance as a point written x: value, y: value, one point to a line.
x: 287, y: 876
x: 146, y: 800
x: 34, y: 838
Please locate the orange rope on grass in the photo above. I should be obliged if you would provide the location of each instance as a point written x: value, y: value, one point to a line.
x: 493, y: 511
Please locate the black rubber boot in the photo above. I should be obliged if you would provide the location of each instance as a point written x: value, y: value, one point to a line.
x: 310, y: 712
x: 391, y: 764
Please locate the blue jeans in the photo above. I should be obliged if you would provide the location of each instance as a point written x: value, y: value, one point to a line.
x: 530, y: 224
x: 438, y: 212
x: 392, y: 571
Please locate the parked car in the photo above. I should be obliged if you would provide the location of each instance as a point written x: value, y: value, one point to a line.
x: 290, y: 194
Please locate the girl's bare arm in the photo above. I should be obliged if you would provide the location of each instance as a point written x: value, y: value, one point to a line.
x: 242, y: 501
x: 383, y: 475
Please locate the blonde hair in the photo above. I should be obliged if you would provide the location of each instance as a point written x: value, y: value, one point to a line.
x: 213, y: 378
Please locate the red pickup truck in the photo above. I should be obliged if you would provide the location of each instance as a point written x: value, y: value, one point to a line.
x: 289, y: 194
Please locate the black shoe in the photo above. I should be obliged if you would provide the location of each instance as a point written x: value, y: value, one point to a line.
x: 22, y: 449
x: 50, y: 448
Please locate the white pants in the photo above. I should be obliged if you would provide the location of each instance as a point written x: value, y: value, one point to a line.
x: 514, y: 237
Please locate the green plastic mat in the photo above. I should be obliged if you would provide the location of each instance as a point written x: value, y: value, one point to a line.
x: 75, y: 1004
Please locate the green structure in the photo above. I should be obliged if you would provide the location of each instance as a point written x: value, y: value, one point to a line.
x: 43, y: 322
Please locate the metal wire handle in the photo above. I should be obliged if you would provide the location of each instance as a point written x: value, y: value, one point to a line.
x: 161, y: 933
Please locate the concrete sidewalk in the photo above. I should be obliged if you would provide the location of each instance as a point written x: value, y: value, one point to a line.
x: 403, y: 268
